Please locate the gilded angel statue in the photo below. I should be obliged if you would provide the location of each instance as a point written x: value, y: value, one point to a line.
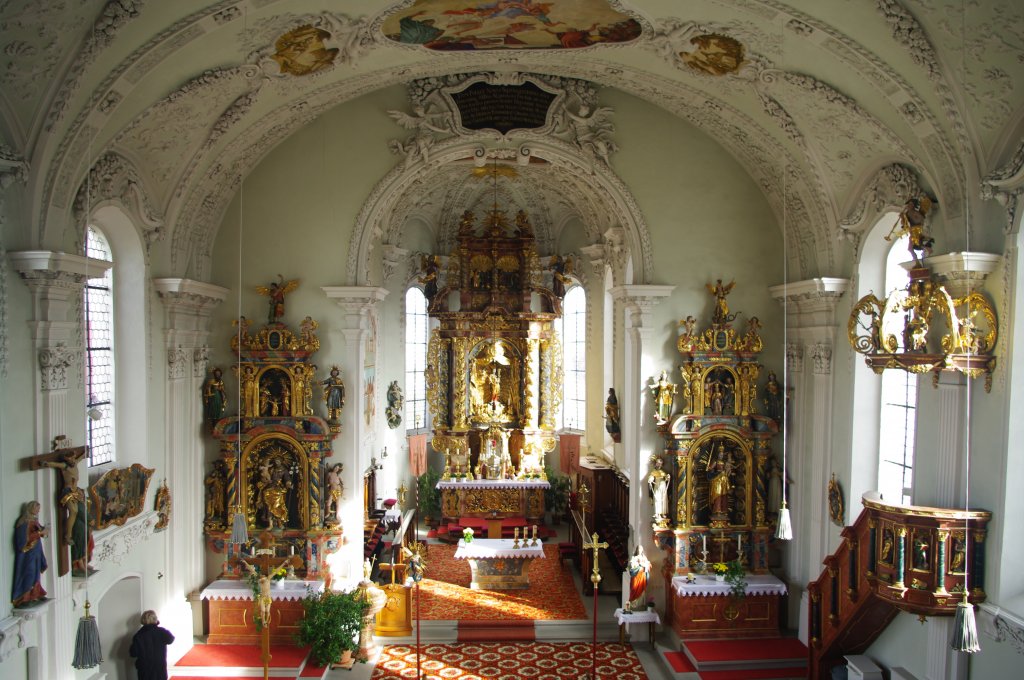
x: 276, y: 292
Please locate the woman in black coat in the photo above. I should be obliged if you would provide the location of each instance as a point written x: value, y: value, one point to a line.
x: 149, y: 647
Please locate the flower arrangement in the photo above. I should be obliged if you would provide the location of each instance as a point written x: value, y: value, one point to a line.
x: 720, y: 568
x: 467, y: 534
x: 734, y: 577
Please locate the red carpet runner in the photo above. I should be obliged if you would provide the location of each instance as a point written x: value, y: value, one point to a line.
x: 758, y: 659
x: 509, y: 661
x: 233, y: 661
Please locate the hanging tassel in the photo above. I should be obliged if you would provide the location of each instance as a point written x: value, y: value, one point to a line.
x: 239, y: 528
x: 88, y: 653
x: 784, y: 531
x: 965, y: 629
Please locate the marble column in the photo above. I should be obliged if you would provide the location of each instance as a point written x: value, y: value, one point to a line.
x: 56, y: 281
x: 355, y: 445
x: 188, y: 306
x: 638, y: 303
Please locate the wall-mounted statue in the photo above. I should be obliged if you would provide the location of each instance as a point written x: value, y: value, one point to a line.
x: 216, y: 485
x: 73, y: 529
x: 29, y: 558
x: 396, y: 402
x: 611, y: 416
x: 215, y: 399
x: 334, y: 395
x: 659, y: 482
x: 663, y: 392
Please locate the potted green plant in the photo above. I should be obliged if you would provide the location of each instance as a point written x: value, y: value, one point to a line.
x: 429, y: 497
x: 331, y: 625
x: 556, y: 496
x: 734, y: 576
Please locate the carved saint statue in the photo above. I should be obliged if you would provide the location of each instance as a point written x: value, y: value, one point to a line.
x: 29, y: 558
x: 396, y: 402
x: 663, y: 392
x: 721, y: 315
x: 334, y: 394
x: 216, y: 482
x: 658, y: 482
x: 335, y: 490
x: 214, y: 397
x: 639, y: 570
x: 720, y: 468
x: 773, y: 398
x: 276, y: 292
x: 611, y: 416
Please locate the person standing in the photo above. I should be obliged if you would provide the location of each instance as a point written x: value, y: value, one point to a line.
x: 149, y: 648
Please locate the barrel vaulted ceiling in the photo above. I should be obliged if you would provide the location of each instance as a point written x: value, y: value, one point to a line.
x: 173, y: 102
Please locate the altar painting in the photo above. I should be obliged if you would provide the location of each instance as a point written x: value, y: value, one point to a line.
x: 510, y: 24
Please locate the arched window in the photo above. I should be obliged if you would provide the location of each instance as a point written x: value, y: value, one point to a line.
x: 416, y: 325
x: 573, y: 332
x: 99, y: 355
x: 897, y: 424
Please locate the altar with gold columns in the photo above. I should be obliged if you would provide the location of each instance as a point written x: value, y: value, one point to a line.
x: 494, y: 373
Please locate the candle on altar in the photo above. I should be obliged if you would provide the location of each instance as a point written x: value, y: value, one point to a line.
x: 704, y: 542
x: 293, y: 550
x: 535, y: 532
x: 517, y: 533
x: 739, y: 544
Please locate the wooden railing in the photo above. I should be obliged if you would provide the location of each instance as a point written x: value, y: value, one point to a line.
x: 894, y: 557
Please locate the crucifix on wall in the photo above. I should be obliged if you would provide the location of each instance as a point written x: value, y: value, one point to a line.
x: 72, y: 529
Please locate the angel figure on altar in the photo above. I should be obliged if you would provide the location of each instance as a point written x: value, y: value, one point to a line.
x: 276, y: 292
x: 639, y: 569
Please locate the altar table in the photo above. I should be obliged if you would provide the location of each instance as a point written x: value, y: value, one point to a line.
x: 497, y: 565
x: 231, y: 610
x: 490, y: 498
x: 706, y: 608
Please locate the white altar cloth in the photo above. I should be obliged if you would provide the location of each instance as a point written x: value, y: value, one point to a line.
x: 757, y: 584
x: 494, y: 548
x: 239, y: 590
x: 640, y: 616
x: 494, y: 484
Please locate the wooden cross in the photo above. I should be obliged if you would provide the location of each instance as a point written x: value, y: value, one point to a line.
x: 65, y: 460
x: 265, y: 555
x: 595, y: 574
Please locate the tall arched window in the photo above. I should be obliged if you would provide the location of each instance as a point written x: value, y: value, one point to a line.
x: 416, y: 325
x: 574, y: 358
x: 99, y: 355
x: 897, y: 424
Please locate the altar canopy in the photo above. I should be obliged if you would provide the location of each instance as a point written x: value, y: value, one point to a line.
x: 494, y: 372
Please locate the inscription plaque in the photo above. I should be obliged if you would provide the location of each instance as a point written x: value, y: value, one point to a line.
x: 503, y: 107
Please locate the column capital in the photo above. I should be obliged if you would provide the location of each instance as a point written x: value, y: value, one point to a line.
x: 640, y: 301
x: 963, y: 272
x: 56, y: 281
x: 794, y: 357
x: 357, y: 302
x: 188, y: 306
x: 53, y: 365
x: 821, y: 354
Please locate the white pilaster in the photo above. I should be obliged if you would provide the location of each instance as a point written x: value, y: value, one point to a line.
x: 811, y: 329
x: 56, y: 281
x: 187, y: 308
x: 638, y: 303
x: 354, y: 446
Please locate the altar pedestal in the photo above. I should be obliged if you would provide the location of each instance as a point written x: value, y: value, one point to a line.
x: 231, y: 610
x: 496, y: 565
x: 706, y: 609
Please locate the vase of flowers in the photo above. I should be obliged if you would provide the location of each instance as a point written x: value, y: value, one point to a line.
x: 719, y: 569
x: 467, y: 534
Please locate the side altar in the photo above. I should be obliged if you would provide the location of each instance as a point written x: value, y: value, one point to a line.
x: 718, y: 489
x: 494, y: 365
x: 231, y: 608
x: 272, y: 472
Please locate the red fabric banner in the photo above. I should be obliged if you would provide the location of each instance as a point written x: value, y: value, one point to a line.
x: 418, y: 453
x: 569, y: 453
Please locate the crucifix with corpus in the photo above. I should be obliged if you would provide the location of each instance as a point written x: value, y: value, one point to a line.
x: 72, y: 519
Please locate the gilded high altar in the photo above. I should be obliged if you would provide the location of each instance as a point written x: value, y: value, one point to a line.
x: 494, y: 374
x: 719, y: 446
x: 271, y: 466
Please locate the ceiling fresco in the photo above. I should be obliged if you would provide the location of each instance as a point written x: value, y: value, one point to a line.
x: 510, y: 24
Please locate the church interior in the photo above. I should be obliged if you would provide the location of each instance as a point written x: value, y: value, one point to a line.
x: 699, y: 315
